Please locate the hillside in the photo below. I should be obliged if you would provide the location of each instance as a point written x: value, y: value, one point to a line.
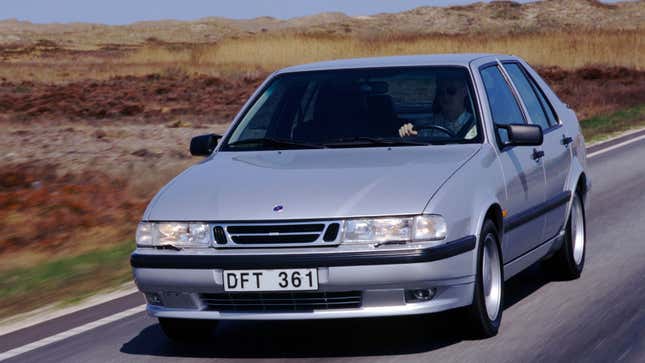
x: 498, y: 17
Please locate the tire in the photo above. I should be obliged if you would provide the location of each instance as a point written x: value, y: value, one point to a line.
x: 485, y: 313
x: 187, y: 330
x: 568, y: 262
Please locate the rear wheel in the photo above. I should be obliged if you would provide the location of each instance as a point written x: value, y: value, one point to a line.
x: 568, y: 262
x: 487, y: 307
x: 187, y: 330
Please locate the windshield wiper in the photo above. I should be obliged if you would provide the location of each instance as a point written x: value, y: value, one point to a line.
x: 365, y: 140
x: 276, y: 142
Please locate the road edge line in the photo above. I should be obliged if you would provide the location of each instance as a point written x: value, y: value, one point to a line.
x: 54, y: 311
x: 613, y: 146
x: 600, y: 145
x: 70, y: 333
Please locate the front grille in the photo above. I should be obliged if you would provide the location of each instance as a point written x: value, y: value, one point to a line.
x: 275, y: 234
x: 219, y: 235
x: 282, y: 301
x: 289, y: 238
x: 331, y: 232
x: 276, y: 228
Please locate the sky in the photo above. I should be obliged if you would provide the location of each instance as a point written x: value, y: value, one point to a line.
x: 128, y: 11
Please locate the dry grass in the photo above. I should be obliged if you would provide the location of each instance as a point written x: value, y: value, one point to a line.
x: 567, y: 50
x: 248, y: 55
x: 44, y: 211
x: 73, y: 188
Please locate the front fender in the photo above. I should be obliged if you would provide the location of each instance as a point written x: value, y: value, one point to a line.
x: 467, y: 195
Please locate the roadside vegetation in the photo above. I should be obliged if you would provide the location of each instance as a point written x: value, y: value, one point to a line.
x: 566, y: 50
x: 248, y: 55
x: 64, y: 279
x: 600, y: 127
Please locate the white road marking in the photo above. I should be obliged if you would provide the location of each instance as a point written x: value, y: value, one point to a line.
x: 70, y: 333
x: 53, y: 311
x: 600, y: 152
x: 619, y: 136
x: 622, y: 356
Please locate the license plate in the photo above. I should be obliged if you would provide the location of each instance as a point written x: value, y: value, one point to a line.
x: 271, y: 280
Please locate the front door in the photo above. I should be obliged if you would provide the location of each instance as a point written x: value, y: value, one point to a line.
x: 522, y: 171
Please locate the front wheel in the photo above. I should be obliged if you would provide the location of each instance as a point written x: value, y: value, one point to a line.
x: 187, y: 330
x: 487, y: 307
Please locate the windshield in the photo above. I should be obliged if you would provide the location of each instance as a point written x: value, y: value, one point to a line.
x: 360, y: 108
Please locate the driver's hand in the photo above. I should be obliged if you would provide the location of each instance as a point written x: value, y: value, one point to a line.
x: 407, y: 130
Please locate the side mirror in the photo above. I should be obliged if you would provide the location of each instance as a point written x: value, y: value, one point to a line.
x: 203, y: 145
x: 522, y: 134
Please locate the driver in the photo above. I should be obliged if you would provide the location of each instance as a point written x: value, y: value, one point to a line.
x: 449, y: 112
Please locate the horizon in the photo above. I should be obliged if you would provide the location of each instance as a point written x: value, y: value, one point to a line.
x: 80, y: 11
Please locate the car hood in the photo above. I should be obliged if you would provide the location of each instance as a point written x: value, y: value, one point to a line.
x: 309, y: 184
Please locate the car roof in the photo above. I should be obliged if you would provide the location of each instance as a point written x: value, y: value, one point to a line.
x: 459, y: 59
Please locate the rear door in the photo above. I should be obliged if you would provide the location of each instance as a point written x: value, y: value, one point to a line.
x: 523, y: 173
x: 557, y: 154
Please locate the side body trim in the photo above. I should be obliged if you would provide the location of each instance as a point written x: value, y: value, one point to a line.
x: 523, y: 217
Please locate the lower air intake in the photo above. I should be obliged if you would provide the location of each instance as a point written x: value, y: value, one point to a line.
x: 281, y: 301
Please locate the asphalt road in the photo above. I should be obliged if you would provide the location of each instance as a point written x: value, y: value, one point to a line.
x: 600, y: 317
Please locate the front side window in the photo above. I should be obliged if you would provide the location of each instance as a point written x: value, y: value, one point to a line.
x: 360, y: 108
x: 533, y: 105
x: 503, y: 105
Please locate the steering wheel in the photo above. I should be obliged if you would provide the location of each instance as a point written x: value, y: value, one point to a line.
x: 465, y: 129
x: 440, y: 128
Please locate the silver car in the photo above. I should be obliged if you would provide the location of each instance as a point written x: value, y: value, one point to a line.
x: 366, y: 188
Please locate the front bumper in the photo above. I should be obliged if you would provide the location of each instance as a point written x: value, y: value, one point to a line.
x: 382, y: 278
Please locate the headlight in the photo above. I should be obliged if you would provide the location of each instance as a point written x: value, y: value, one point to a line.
x: 420, y: 228
x: 176, y: 234
x: 144, y: 234
x: 377, y: 230
x: 431, y: 227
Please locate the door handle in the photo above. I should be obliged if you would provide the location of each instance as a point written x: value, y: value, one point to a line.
x: 538, y: 154
x: 566, y: 140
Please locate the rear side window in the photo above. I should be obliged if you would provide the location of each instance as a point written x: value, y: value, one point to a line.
x: 503, y: 105
x: 548, y: 109
x: 533, y: 105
